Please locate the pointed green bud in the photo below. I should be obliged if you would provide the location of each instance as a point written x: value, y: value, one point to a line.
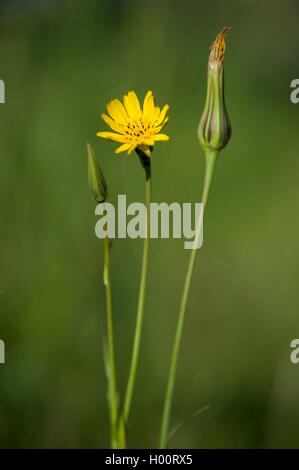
x: 214, y: 128
x: 95, y: 177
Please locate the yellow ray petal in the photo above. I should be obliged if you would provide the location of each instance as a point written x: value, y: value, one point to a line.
x: 123, y: 148
x: 134, y: 101
x: 161, y: 137
x: 156, y: 130
x: 116, y: 127
x: 132, y: 148
x: 156, y: 113
x: 150, y: 108
x: 132, y: 104
x: 162, y: 114
x: 117, y: 111
x: 112, y: 136
x: 145, y: 102
x: 148, y: 141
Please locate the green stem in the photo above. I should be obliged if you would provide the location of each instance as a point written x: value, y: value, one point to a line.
x: 211, y: 157
x: 112, y: 391
x: 140, y: 307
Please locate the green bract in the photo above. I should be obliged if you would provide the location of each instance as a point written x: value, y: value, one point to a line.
x: 95, y: 177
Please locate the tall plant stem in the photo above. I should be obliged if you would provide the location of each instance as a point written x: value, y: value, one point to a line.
x: 140, y: 307
x: 112, y: 391
x: 211, y: 157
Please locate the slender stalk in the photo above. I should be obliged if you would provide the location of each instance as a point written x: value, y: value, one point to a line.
x: 140, y: 307
x: 211, y: 157
x: 112, y: 391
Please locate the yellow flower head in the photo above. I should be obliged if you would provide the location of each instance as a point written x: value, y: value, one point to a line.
x: 135, y: 127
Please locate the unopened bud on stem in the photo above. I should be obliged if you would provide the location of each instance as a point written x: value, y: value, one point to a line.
x: 214, y: 128
x: 95, y: 177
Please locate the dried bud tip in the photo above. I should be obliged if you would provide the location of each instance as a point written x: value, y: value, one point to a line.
x: 218, y: 48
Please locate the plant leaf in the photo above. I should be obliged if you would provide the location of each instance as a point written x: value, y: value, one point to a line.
x: 193, y: 415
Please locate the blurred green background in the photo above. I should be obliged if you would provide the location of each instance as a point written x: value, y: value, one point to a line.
x: 61, y: 63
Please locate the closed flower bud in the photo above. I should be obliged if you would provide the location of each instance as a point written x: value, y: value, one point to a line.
x: 95, y: 177
x: 214, y: 128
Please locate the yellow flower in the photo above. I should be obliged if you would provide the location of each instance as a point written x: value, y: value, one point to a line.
x: 135, y: 127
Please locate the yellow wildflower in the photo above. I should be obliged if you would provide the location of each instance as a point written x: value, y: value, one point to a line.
x: 135, y: 127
